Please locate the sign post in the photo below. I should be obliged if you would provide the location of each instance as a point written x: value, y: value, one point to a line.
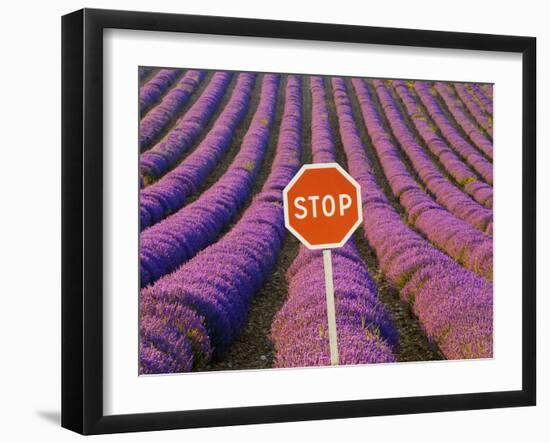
x: 331, y: 309
x: 322, y: 207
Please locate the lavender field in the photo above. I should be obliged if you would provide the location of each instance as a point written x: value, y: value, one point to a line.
x: 225, y: 286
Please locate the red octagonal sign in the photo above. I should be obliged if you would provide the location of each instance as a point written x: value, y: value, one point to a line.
x: 322, y: 205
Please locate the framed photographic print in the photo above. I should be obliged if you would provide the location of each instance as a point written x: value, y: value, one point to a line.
x: 270, y: 221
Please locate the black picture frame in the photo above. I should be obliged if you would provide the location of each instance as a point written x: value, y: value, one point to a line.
x: 82, y: 217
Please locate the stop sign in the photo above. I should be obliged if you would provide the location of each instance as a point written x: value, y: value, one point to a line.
x: 322, y: 205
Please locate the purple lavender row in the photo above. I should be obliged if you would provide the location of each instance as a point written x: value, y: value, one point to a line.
x: 151, y: 91
x: 488, y: 91
x: 364, y: 329
x: 158, y: 160
x: 453, y: 304
x: 457, y: 238
x: 446, y: 194
x: 485, y: 102
x: 172, y: 339
x: 169, y: 194
x: 465, y: 177
x: 144, y: 71
x: 289, y: 145
x: 218, y: 284
x: 156, y: 121
x: 455, y: 106
x: 299, y: 330
x: 173, y: 241
x: 482, y: 119
x: 480, y: 164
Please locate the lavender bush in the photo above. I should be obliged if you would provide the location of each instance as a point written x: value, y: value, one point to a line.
x: 177, y: 238
x: 151, y: 92
x: 219, y: 282
x: 453, y: 304
x: 160, y: 158
x: 458, y: 239
x: 482, y: 97
x: 446, y: 194
x: 456, y: 108
x: 479, y: 163
x: 300, y: 329
x: 455, y: 167
x: 482, y: 119
x: 156, y: 121
x: 167, y: 195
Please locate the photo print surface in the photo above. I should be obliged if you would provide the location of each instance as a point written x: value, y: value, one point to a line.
x: 225, y: 285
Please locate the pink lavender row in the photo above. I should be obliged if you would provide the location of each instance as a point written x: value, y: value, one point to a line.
x: 169, y: 194
x: 158, y: 160
x: 299, y: 330
x: 210, y: 294
x: 465, y: 177
x: 156, y: 121
x: 480, y: 164
x: 153, y: 90
x: 457, y: 238
x: 456, y: 108
x: 446, y: 194
x: 144, y: 71
x: 485, y: 102
x: 475, y: 109
x: 453, y: 304
x: 173, y: 241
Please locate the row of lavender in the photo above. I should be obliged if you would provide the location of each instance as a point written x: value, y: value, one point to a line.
x: 458, y: 239
x: 199, y: 309
x: 438, y: 146
x: 155, y: 88
x: 483, y: 94
x: 185, y: 132
x: 456, y: 139
x: 169, y: 194
x: 476, y: 107
x: 174, y: 242
x: 300, y: 329
x: 453, y: 304
x: 166, y: 153
x: 448, y: 195
x: 157, y: 120
x: 177, y: 238
x: 469, y: 126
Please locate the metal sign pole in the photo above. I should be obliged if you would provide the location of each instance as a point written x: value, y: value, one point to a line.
x: 331, y: 311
